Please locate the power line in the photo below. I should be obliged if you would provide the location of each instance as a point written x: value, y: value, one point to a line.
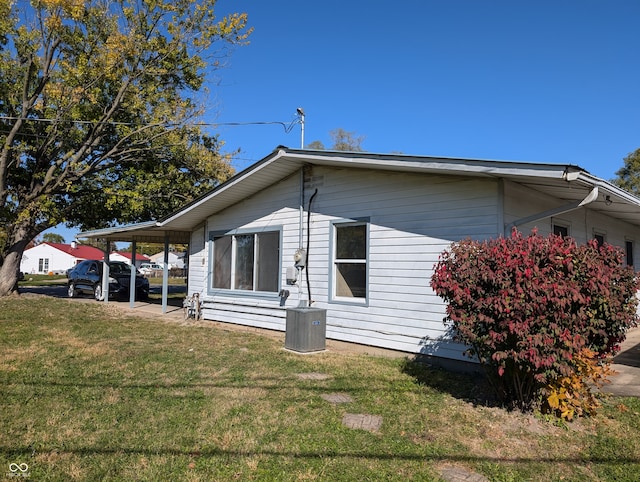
x: 287, y: 126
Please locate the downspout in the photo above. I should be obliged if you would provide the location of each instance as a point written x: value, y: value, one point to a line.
x: 592, y: 196
x: 309, y: 301
x: 301, y: 228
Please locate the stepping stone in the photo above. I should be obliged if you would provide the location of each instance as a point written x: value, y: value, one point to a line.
x: 362, y: 421
x: 337, y: 397
x: 458, y: 474
x: 313, y: 376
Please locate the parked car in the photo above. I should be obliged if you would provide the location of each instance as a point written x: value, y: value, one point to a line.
x: 149, y: 268
x: 86, y: 277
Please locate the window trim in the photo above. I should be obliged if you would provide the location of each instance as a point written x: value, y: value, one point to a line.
x: 43, y: 265
x: 234, y: 291
x: 599, y: 233
x: 627, y: 242
x: 561, y: 224
x: 332, y: 297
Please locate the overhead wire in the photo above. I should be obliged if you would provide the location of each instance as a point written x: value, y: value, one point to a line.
x: 286, y: 126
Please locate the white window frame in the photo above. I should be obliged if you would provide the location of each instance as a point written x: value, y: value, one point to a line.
x: 335, y: 226
x: 213, y: 236
x: 598, y: 233
x: 561, y: 224
x: 43, y: 265
x: 628, y: 242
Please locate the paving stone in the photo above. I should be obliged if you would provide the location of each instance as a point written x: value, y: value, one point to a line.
x: 313, y: 376
x: 458, y: 474
x: 337, y: 397
x: 362, y: 421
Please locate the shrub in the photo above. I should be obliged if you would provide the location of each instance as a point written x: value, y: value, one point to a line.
x: 568, y: 397
x: 526, y: 306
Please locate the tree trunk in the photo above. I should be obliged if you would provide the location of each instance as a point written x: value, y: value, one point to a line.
x: 18, y: 238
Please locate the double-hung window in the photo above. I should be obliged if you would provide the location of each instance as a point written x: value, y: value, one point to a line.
x: 350, y: 261
x: 43, y: 265
x: 628, y: 248
x: 246, y: 262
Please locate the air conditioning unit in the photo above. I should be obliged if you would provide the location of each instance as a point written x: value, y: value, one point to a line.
x: 306, y: 329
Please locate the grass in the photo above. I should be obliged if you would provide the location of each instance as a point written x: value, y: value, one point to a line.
x: 87, y: 393
x: 43, y: 280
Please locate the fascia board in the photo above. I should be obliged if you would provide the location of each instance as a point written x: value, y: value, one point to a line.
x: 436, y: 164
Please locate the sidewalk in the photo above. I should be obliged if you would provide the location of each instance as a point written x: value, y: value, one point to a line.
x: 626, y: 383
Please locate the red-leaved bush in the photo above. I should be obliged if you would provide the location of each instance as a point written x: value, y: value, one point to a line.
x: 526, y: 306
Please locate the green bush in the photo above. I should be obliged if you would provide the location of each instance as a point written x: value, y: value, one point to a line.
x: 527, y: 306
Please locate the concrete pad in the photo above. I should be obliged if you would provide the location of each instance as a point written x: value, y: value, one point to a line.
x: 626, y: 364
x: 362, y: 421
x: 337, y: 397
x: 458, y: 474
x: 313, y: 376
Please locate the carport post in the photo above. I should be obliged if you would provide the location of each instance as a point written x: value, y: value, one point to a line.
x: 132, y: 281
x: 165, y: 274
x: 105, y: 271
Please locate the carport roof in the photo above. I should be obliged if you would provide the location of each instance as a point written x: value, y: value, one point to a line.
x: 566, y: 182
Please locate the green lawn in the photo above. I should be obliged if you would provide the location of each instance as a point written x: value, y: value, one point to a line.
x: 43, y: 280
x: 89, y: 394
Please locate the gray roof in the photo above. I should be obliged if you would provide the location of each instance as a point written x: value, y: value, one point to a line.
x: 566, y: 182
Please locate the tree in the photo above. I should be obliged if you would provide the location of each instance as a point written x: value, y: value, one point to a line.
x: 99, y: 102
x: 342, y: 141
x: 53, y: 238
x: 317, y: 145
x: 629, y: 175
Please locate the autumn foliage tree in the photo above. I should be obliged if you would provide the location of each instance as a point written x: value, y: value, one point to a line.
x: 99, y: 109
x: 533, y: 310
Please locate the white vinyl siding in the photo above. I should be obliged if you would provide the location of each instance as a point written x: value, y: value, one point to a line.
x: 412, y: 219
x: 582, y: 224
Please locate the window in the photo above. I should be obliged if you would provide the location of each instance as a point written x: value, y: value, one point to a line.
x: 599, y: 237
x: 628, y: 248
x: 246, y: 262
x: 350, y: 261
x: 560, y: 230
x: 43, y: 265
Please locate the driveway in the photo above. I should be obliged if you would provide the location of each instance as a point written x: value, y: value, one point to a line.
x: 60, y: 291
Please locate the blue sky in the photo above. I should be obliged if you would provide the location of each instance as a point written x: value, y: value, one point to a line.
x: 538, y: 81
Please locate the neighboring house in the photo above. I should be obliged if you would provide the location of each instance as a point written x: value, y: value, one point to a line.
x: 126, y: 258
x: 176, y: 260
x: 373, y: 227
x: 56, y: 258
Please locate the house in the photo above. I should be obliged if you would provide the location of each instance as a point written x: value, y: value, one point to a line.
x: 358, y: 234
x: 56, y: 258
x: 126, y: 257
x: 176, y: 259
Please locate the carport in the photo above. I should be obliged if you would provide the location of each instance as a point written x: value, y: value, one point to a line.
x: 149, y: 232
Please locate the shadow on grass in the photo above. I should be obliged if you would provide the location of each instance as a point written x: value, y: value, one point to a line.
x: 347, y: 454
x: 471, y: 387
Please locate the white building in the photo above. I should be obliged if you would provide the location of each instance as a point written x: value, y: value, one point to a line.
x: 176, y: 260
x: 56, y: 258
x: 126, y: 258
